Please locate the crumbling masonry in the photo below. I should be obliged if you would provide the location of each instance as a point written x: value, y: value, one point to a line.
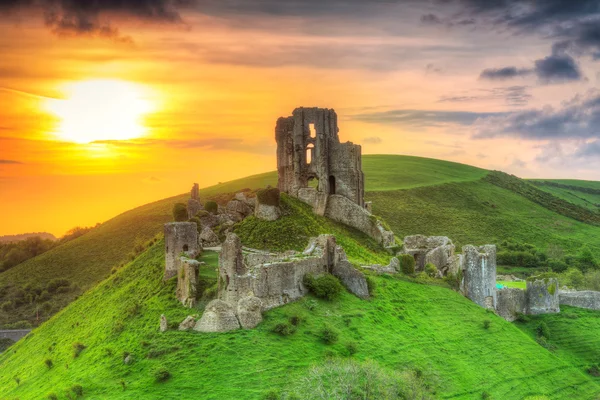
x: 314, y: 166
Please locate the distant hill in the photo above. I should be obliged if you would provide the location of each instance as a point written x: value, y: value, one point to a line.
x: 583, y: 193
x: 413, y: 194
x: 23, y: 236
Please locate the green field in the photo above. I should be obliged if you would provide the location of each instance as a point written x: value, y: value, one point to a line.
x: 514, y: 284
x: 392, y: 172
x: 406, y: 326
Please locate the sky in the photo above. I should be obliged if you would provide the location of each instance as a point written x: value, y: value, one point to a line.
x: 107, y: 105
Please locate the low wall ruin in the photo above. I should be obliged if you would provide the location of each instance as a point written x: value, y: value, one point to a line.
x: 582, y: 299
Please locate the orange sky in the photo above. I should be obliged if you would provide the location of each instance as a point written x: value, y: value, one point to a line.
x: 213, y: 91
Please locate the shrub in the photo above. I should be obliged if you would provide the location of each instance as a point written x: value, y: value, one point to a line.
x: 211, y: 207
x: 431, y: 270
x: 54, y: 284
x: 594, y: 370
x: 78, y: 347
x: 542, y: 330
x: 352, y: 348
x: 329, y: 335
x: 295, y: 320
x: 454, y: 280
x: 284, y: 329
x: 268, y: 196
x: 272, y: 395
x: 17, y: 379
x: 180, y: 212
x: 161, y: 374
x: 198, y: 223
x: 324, y: 286
x: 585, y: 259
x: 485, y: 396
x: 6, y: 306
x: 52, y: 396
x: 407, y: 264
x: 524, y: 318
x: 557, y: 265
x: 77, y: 389
x: 48, y: 363
x: 486, y: 324
x: 371, y: 285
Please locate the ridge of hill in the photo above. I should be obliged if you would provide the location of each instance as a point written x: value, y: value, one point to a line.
x: 582, y: 193
x: 23, y: 236
x: 407, y: 325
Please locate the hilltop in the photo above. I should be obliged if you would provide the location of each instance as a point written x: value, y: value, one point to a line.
x: 413, y: 194
x: 23, y: 236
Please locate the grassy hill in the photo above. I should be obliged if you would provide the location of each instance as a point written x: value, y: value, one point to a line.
x: 413, y: 194
x: 406, y: 326
x: 583, y: 193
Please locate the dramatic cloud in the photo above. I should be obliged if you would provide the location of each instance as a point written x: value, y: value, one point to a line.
x: 589, y: 150
x: 423, y: 118
x: 504, y: 73
x: 512, y: 95
x: 10, y: 162
x: 431, y: 19
x: 77, y: 17
x: 578, y: 118
x: 557, y: 68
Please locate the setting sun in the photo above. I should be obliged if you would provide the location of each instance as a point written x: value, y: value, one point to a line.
x: 98, y: 110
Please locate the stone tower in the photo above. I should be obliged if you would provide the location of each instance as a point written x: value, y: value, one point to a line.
x: 181, y: 239
x: 309, y: 149
x: 479, y: 282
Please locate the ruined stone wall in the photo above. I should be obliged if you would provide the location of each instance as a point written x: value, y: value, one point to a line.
x: 511, y: 301
x: 437, y: 250
x: 336, y: 166
x: 340, y: 209
x: 583, y: 299
x: 181, y: 238
x: 542, y: 296
x: 479, y: 282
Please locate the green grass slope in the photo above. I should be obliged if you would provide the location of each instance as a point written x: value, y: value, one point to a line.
x: 583, y: 193
x: 574, y: 335
x: 406, y: 325
x: 391, y: 172
x: 479, y: 212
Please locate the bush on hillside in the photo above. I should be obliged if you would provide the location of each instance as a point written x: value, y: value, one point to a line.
x: 324, y: 286
x: 329, y: 335
x: 542, y: 330
x: 350, y: 379
x: 161, y: 374
x: 431, y: 270
x: 48, y: 362
x: 198, y: 223
x: 77, y: 390
x: 407, y: 264
x: 52, y: 396
x: 557, y: 265
x: 268, y: 196
x: 585, y: 259
x: 57, y: 283
x: 180, y: 212
x: 284, y: 329
x: 211, y: 207
x: 78, y: 347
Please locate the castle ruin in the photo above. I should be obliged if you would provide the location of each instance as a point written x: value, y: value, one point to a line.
x: 314, y: 166
x: 181, y: 240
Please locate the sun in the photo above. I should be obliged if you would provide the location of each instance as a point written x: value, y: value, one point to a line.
x: 101, y: 110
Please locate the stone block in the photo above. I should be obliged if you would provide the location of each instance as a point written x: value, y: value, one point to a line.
x: 542, y: 296
x: 510, y: 302
x: 218, y: 316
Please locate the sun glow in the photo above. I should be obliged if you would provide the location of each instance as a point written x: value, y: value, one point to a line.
x: 99, y: 110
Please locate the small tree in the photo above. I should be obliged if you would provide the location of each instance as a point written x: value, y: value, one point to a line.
x: 431, y: 270
x: 324, y: 286
x: 585, y: 259
x: 211, y: 206
x: 180, y: 212
x: 407, y: 264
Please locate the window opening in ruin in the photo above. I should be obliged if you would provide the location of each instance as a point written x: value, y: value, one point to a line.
x: 313, y: 132
x: 331, y: 184
x: 313, y: 182
x: 185, y: 247
x: 309, y: 153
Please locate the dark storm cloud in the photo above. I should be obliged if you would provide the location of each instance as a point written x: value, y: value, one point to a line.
x: 557, y: 68
x: 589, y: 150
x: 504, y: 73
x: 83, y: 17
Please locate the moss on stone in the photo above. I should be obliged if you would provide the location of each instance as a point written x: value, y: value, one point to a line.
x: 268, y: 196
x: 211, y: 207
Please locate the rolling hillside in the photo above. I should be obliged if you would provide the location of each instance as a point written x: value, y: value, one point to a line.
x: 407, y: 326
x: 413, y: 194
x: 583, y: 193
